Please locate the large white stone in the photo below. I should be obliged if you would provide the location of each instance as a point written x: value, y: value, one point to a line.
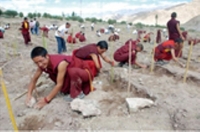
x: 134, y: 104
x: 86, y: 107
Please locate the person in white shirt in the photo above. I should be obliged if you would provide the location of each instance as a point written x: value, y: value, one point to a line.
x: 59, y: 34
x: 92, y: 26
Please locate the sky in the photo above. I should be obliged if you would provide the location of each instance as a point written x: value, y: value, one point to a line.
x: 86, y: 8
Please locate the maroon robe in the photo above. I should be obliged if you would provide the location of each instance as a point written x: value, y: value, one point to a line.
x: 77, y: 35
x: 158, y: 36
x: 1, y: 34
x: 84, y: 54
x: 25, y: 32
x: 45, y: 31
x: 163, y: 51
x: 172, y: 29
x: 82, y: 38
x: 122, y: 54
x: 76, y: 78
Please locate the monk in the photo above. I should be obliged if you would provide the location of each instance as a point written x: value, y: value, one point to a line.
x: 147, y: 37
x: 25, y: 31
x: 69, y: 76
x: 77, y: 35
x: 167, y: 51
x: 92, y: 53
x: 45, y: 31
x: 82, y: 37
x: 114, y: 37
x: 173, y: 27
x: 71, y: 39
x: 121, y: 55
x: 158, y: 36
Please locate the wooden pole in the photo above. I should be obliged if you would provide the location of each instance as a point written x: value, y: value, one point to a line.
x: 7, y: 99
x: 112, y: 69
x: 129, y: 61
x: 188, y: 62
x: 152, y: 58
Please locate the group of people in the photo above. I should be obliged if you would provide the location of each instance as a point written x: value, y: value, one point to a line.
x: 34, y: 26
x: 73, y: 75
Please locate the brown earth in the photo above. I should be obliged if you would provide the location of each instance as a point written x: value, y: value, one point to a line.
x: 176, y: 103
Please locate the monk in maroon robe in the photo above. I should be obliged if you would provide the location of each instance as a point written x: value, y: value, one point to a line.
x: 167, y: 50
x: 147, y: 37
x: 113, y: 37
x: 121, y: 55
x: 25, y: 31
x: 1, y: 34
x: 158, y: 36
x: 45, y: 31
x: 71, y: 39
x: 173, y: 27
x: 92, y: 53
x: 71, y: 77
x: 82, y: 37
x: 77, y: 35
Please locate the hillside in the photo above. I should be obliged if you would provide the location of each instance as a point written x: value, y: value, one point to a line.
x: 193, y: 24
x: 185, y: 12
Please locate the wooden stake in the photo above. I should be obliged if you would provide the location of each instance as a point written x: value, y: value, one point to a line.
x: 112, y: 69
x: 188, y: 62
x: 129, y: 61
x: 152, y: 58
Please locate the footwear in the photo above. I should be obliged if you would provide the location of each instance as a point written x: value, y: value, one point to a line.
x: 121, y: 64
x: 69, y: 99
x: 161, y: 62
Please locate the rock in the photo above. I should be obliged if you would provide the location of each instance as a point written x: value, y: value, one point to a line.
x: 31, y: 102
x: 86, y: 107
x: 134, y: 104
x: 58, y: 124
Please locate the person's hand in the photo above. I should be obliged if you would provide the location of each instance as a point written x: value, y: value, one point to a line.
x: 41, y: 103
x: 144, y: 66
x: 112, y: 63
x: 28, y: 99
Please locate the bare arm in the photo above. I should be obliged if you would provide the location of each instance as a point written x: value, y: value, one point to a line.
x: 106, y: 59
x: 32, y: 84
x: 60, y: 79
x: 96, y: 61
x: 179, y: 30
x: 174, y: 57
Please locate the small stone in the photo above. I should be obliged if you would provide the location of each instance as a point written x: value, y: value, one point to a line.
x: 58, y: 124
x: 134, y: 104
x: 31, y: 102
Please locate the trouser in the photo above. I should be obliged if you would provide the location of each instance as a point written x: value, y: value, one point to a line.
x: 61, y: 45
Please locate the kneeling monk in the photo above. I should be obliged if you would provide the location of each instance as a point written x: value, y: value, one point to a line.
x: 91, y: 53
x: 168, y: 50
x: 122, y: 54
x: 70, y: 78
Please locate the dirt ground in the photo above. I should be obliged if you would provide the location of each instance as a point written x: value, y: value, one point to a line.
x: 176, y: 103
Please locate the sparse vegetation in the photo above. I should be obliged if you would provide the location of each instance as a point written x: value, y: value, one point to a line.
x: 10, y: 13
x: 21, y: 14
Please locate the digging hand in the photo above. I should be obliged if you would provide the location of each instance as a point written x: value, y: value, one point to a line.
x: 41, y: 103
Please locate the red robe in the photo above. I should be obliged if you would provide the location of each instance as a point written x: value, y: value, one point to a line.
x: 1, y: 34
x: 163, y: 50
x: 184, y: 34
x: 122, y: 54
x: 70, y: 39
x: 76, y: 78
x: 173, y: 32
x: 84, y: 54
x: 78, y: 34
x: 147, y: 37
x: 45, y: 31
x: 195, y: 41
x: 25, y: 32
x: 82, y: 38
